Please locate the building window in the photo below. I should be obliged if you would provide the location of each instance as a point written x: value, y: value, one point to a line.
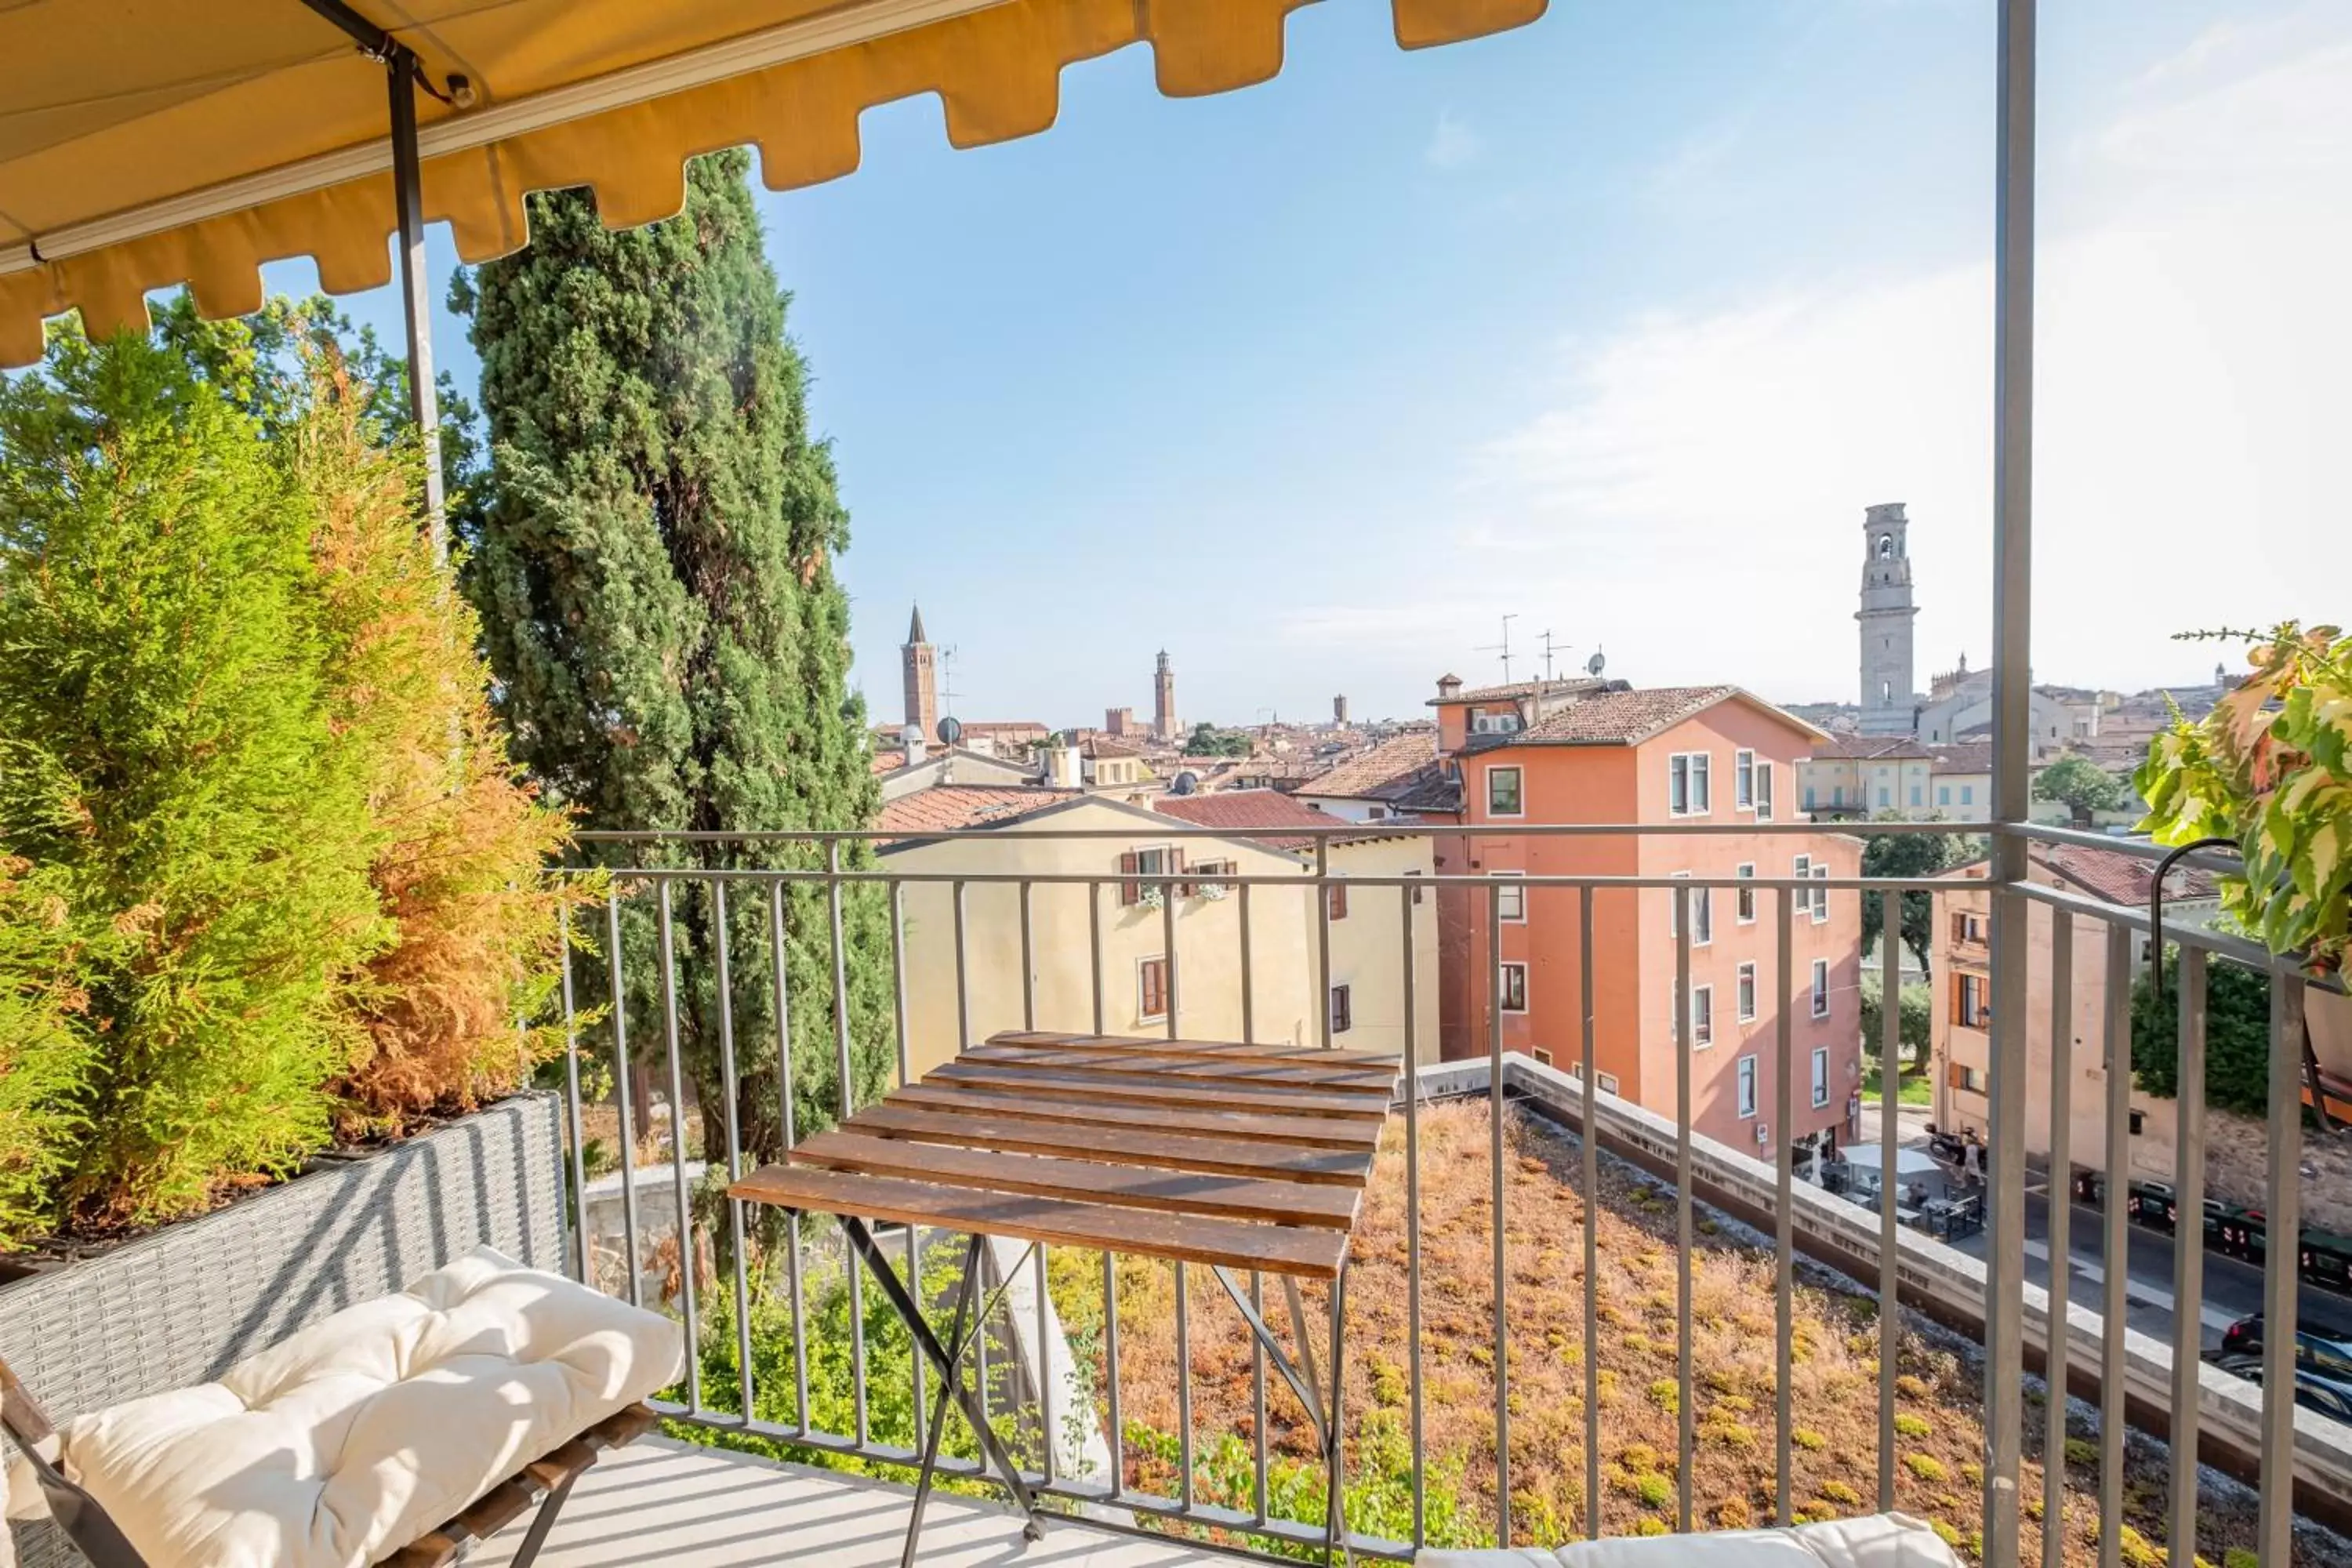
x: 1702, y: 800
x: 1343, y: 1014
x: 1943, y: 794
x: 1821, y: 896
x: 1808, y: 797
x: 1511, y: 900
x: 1335, y: 896
x: 1606, y: 1081
x: 1147, y: 863
x: 1747, y: 1087
x: 1882, y: 795
x: 1820, y: 1076
x: 1702, y: 1007
x: 1968, y: 1008
x: 1764, y: 792
x: 1972, y: 1079
x: 1417, y: 891
x: 1967, y: 794
x: 1746, y: 996
x: 1702, y: 916
x: 1916, y: 790
x: 1515, y: 987
x: 1152, y: 988
x: 1803, y: 902
x: 1543, y: 1058
x: 1821, y: 988
x: 1687, y: 791
x: 1502, y: 797
x: 1968, y: 926
x: 1745, y: 898
x: 1743, y: 780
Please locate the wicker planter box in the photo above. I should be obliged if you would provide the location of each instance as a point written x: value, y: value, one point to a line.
x: 182, y: 1305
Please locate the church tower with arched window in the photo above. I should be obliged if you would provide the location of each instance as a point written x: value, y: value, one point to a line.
x: 1889, y: 705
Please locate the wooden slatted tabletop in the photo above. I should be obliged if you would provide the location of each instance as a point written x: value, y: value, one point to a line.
x: 1203, y: 1151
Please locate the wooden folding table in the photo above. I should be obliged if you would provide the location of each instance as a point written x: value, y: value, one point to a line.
x: 1236, y: 1157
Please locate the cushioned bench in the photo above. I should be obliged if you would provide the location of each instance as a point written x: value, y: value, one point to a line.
x: 395, y: 1429
x: 1880, y: 1541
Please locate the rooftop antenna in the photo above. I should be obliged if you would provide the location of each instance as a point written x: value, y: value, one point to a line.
x: 947, y: 679
x: 1549, y: 647
x: 1502, y: 648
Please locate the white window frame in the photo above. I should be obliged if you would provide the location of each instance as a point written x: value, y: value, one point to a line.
x: 1744, y: 994
x: 1702, y: 917
x: 1820, y: 1076
x: 1800, y: 902
x: 1763, y: 791
x: 1678, y: 773
x: 1510, y: 896
x: 1516, y: 773
x: 1821, y: 896
x: 1821, y: 988
x: 1702, y: 1013
x: 1161, y: 1016
x: 1746, y: 1087
x: 1607, y: 1082
x: 1674, y: 919
x: 1743, y: 905
x: 1506, y: 967
x: 1743, y: 781
x: 1702, y: 786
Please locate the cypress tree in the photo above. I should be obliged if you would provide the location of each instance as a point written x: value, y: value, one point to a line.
x: 652, y: 550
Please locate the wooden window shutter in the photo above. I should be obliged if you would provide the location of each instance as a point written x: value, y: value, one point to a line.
x: 1337, y: 898
x: 1954, y: 1075
x: 1128, y: 892
x: 1176, y: 863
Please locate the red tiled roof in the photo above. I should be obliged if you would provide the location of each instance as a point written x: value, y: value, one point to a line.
x: 1378, y: 770
x: 2120, y: 879
x: 1246, y: 810
x: 1870, y: 748
x: 1562, y: 686
x: 944, y: 807
x: 1968, y: 757
x: 1623, y: 718
x: 889, y: 761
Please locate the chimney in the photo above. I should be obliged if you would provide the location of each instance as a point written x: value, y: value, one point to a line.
x: 910, y: 739
x: 1448, y: 687
x: 1063, y: 768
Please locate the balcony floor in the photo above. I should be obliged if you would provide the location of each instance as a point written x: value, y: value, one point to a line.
x: 687, y: 1507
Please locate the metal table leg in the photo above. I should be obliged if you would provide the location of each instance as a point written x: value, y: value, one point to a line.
x: 949, y: 1359
x: 1299, y: 1371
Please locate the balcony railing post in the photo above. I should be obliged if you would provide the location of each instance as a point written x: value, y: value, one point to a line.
x: 2115, y: 1253
x: 1890, y: 1102
x: 2061, y: 1208
x: 2283, y: 1220
x: 1784, y: 1114
x: 1590, y: 1140
x: 1685, y: 1403
x: 1412, y: 1223
x: 678, y: 1151
x: 2188, y: 1253
x: 1494, y: 1097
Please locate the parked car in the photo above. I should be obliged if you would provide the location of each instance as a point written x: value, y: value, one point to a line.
x: 2312, y: 1391
x: 2323, y: 1348
x: 2327, y: 1259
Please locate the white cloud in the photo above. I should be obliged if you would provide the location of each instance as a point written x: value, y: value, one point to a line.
x: 1694, y: 485
x: 1451, y: 144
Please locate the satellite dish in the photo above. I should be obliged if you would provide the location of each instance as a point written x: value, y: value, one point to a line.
x: 1184, y: 783
x: 951, y: 730
x: 1595, y: 664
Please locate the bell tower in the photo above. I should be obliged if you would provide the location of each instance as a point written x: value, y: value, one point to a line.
x: 920, y: 660
x: 1889, y: 705
x: 1163, y: 700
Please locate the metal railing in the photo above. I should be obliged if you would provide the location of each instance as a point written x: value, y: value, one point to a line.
x: 653, y: 873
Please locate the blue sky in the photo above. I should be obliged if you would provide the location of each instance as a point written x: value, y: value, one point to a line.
x: 1615, y: 322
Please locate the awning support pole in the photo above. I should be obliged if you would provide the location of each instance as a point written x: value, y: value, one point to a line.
x: 2013, y: 702
x: 415, y: 300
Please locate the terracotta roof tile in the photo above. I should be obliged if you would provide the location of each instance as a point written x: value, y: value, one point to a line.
x: 1374, y: 774
x: 1621, y: 718
x: 2121, y: 879
x: 1564, y: 685
x: 1870, y: 748
x: 944, y: 807
x: 1970, y: 757
x: 1244, y: 810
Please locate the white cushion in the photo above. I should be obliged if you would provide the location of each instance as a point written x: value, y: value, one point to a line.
x: 351, y: 1439
x: 1878, y: 1541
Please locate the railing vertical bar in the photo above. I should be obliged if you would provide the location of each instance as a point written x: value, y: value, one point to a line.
x: 962, y: 976
x: 1028, y: 968
x: 1249, y: 978
x: 777, y: 966
x: 1590, y: 1138
x: 1784, y: 1120
x: 842, y: 1064
x: 1167, y: 946
x: 2061, y: 1235
x: 2188, y: 1253
x: 2283, y: 1217
x: 1494, y: 1155
x: 1257, y: 1404
x: 1686, y: 1416
x: 572, y: 1100
x: 1110, y: 1366
x: 623, y: 1085
x: 900, y: 1014
x: 1323, y: 940
x: 732, y: 1091
x: 1890, y: 1117
x: 1183, y: 1386
x: 1042, y: 1363
x: 677, y: 1157
x: 1411, y: 1039
x: 1093, y: 939
x: 2114, y: 1255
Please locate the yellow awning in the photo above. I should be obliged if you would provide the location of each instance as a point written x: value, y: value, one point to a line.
x: 145, y: 143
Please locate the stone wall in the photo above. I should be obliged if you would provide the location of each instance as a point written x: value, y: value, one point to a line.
x: 2237, y: 1168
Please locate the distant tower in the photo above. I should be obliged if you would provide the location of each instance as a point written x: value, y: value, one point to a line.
x: 1163, y: 700
x: 1340, y: 709
x: 1889, y: 706
x: 921, y: 660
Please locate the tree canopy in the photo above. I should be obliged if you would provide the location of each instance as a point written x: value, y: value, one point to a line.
x: 2083, y: 786
x: 1910, y: 855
